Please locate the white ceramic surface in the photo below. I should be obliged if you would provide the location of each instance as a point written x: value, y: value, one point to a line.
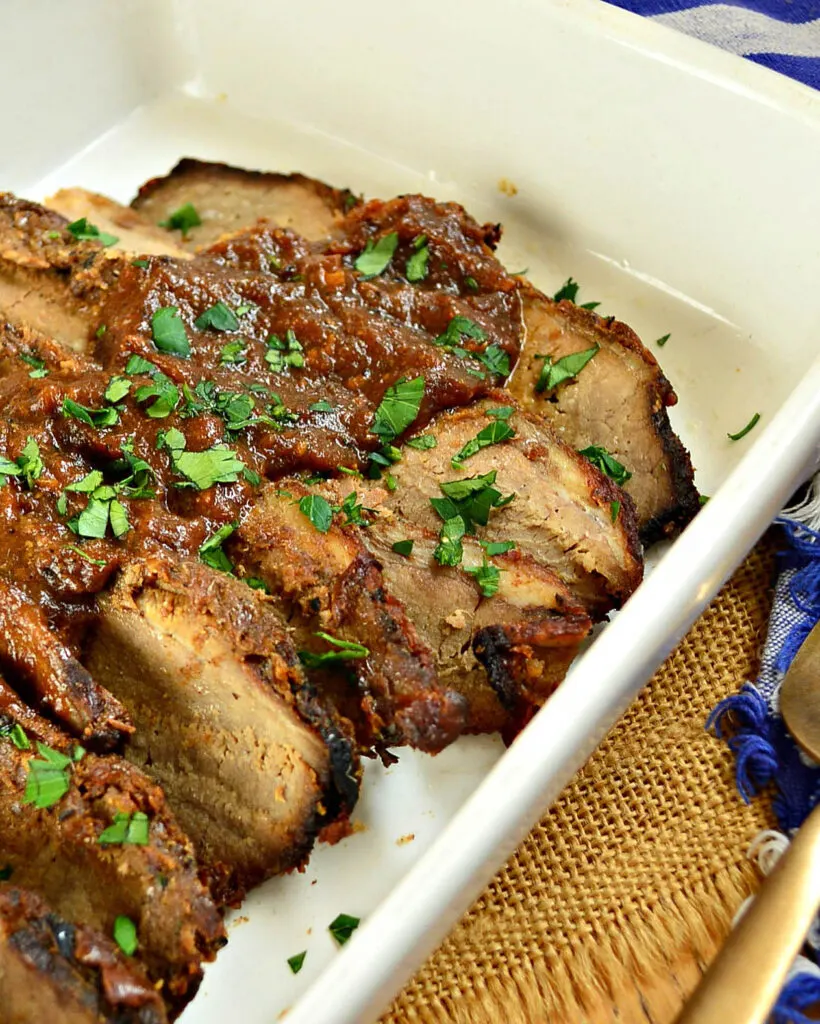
x: 678, y: 184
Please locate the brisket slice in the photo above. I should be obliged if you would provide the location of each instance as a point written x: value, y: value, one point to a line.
x: 228, y: 198
x: 618, y: 401
x: 55, y: 850
x: 329, y: 582
x: 251, y: 762
x: 62, y: 972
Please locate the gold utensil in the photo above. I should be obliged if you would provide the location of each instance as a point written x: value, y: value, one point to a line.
x: 743, y: 982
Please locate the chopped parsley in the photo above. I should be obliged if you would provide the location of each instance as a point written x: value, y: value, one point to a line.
x: 497, y: 547
x: 7, y: 469
x: 38, y: 366
x: 343, y: 650
x: 211, y: 553
x: 416, y: 268
x: 450, y: 550
x: 256, y: 583
x: 471, y: 499
x: 107, y: 417
x: 125, y: 934
x: 662, y: 341
x: 318, y: 511
x: 295, y: 962
x: 742, y: 433
x: 93, y: 520
x: 283, y: 354
x: 48, y: 777
x: 321, y: 406
x: 607, y: 464
x: 84, y: 231
x: 353, y: 512
x: 217, y: 465
x: 165, y: 393
x: 342, y: 927
x: 142, y: 264
x: 30, y: 463
x: 182, y: 219
x: 127, y: 830
x: 423, y: 442
x: 118, y: 388
x: 218, y: 318
x: 494, y: 358
x: 16, y: 733
x: 398, y: 408
x: 471, y: 284
x: 458, y: 328
x: 569, y: 291
x: 494, y: 433
x: 137, y: 364
x: 403, y: 547
x: 614, y: 510
x: 168, y: 332
x: 487, y: 577
x: 377, y: 255
x: 555, y: 373
x: 703, y: 499
x: 118, y: 517
x: 101, y: 562
x: 233, y: 353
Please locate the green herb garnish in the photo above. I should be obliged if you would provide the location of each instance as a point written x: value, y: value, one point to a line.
x: 295, y: 962
x: 403, y: 547
x: 416, y: 269
x: 39, y: 367
x: 118, y: 388
x: 168, y: 332
x: 125, y: 934
x: 450, y: 550
x: 233, y: 353
x: 487, y: 577
x: 614, y: 510
x: 607, y: 464
x: 342, y: 927
x: 218, y: 318
x: 182, y: 219
x: 283, y: 354
x: 165, y: 393
x: 398, y: 408
x: 494, y: 433
x: 48, y: 777
x: 29, y: 463
x: 749, y: 426
x: 497, y: 547
x: 377, y: 255
x: 662, y: 341
x: 83, y: 231
x: 423, y: 442
x: 107, y: 417
x: 101, y: 562
x: 216, y: 465
x: 127, y: 830
x: 211, y: 553
x: 318, y: 511
x: 321, y: 406
x: 555, y: 373
x: 343, y: 650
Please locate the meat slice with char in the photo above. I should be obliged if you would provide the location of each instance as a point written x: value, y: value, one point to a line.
x: 229, y: 198
x: 617, y: 401
x: 252, y: 763
x: 327, y: 582
x: 63, y: 972
x: 56, y: 802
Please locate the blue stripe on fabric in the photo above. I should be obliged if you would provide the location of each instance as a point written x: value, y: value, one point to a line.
x: 793, y: 11
x: 804, y: 69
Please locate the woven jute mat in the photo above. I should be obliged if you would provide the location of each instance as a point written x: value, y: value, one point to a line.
x: 628, y: 885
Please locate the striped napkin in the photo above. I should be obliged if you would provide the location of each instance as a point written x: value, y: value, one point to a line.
x: 764, y: 751
x: 780, y: 34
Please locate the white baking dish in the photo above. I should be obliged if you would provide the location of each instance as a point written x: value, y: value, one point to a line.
x: 678, y: 184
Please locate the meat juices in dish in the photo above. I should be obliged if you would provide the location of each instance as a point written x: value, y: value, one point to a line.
x: 267, y: 505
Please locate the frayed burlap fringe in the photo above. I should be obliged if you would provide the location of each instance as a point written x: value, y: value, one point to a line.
x: 640, y: 864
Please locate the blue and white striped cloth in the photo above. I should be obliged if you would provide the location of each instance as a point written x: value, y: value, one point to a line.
x: 780, y: 34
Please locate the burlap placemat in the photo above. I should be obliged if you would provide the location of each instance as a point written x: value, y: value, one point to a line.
x: 638, y: 868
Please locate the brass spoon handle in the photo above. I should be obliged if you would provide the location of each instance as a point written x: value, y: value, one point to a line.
x: 743, y: 982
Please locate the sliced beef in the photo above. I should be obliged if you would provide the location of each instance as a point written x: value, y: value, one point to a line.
x: 62, y: 972
x: 134, y: 232
x: 54, y: 677
x: 566, y: 515
x: 328, y: 582
x: 251, y: 762
x: 48, y: 279
x: 502, y: 653
x: 229, y: 198
x: 50, y: 842
x: 617, y: 401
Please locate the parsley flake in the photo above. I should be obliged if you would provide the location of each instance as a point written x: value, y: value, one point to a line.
x: 183, y: 219
x: 614, y: 510
x: 283, y: 354
x: 101, y: 562
x: 127, y: 830
x: 168, y: 332
x: 39, y: 367
x: 607, y: 464
x: 218, y: 318
x: 216, y: 465
x: 497, y: 547
x: 450, y: 550
x: 487, y: 577
x: 555, y: 373
x: 125, y: 934
x: 377, y: 255
x: 84, y: 231
x: 423, y: 442
x: 494, y: 433
x: 321, y: 406
x: 318, y: 511
x: 403, y: 547
x: 343, y: 650
x: 568, y: 291
x: 662, y: 341
x: 416, y: 268
x: 107, y: 417
x: 30, y: 464
x: 398, y: 408
x: 741, y: 433
x: 295, y: 962
x: 48, y: 777
x: 211, y: 553
x: 233, y: 353
x: 342, y: 927
x: 165, y: 393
